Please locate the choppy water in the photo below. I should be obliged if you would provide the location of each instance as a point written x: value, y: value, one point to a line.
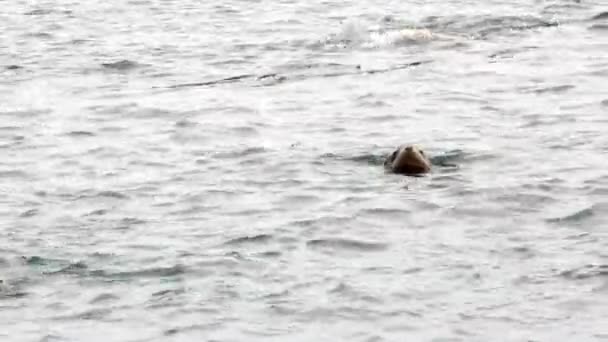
x: 185, y: 170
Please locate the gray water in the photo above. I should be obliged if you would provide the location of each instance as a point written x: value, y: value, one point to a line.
x: 212, y: 171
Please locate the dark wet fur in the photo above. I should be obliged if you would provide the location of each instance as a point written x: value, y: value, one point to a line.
x: 410, y: 170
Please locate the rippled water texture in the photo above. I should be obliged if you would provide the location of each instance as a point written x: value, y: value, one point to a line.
x: 200, y: 170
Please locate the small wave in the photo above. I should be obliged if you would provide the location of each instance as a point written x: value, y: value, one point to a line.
x: 107, y: 193
x: 80, y: 134
x: 38, y: 261
x: 600, y: 16
x: 241, y: 153
x: 112, y: 194
x: 45, y: 11
x: 29, y: 213
x: 599, y: 27
x: 42, y: 35
x: 560, y: 8
x: 366, y: 158
x: 13, y: 174
x: 261, y: 238
x: 245, y: 131
x: 447, y: 158
x: 38, y: 12
x: 7, y: 291
x: 185, y: 123
x: 27, y: 113
x: 482, y: 26
x: 98, y: 212
x: 121, y: 65
x: 554, y: 89
x: 155, y: 272
x: 347, y: 244
x: 81, y: 269
x: 169, y: 292
x: 510, y: 53
x: 585, y: 272
x: 13, y: 67
x: 230, y: 79
x: 52, y: 338
x: 74, y: 268
x: 400, y: 37
x: 383, y: 212
x: 511, y: 24
x: 272, y: 79
x: 10, y: 128
x: 192, y: 328
x: 299, y: 77
x: 269, y: 254
x: 353, y: 294
x: 574, y: 217
x: 92, y: 314
x: 371, y: 159
x: 128, y: 222
x: 50, y: 266
x: 355, y: 33
x: 103, y: 298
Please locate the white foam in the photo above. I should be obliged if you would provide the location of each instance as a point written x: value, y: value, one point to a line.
x: 396, y: 37
x: 355, y: 32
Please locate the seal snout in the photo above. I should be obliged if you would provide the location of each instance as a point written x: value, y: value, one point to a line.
x: 409, y: 160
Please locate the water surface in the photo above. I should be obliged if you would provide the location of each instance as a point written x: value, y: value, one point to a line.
x: 183, y: 170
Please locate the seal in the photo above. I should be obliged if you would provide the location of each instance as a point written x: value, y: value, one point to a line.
x: 408, y: 160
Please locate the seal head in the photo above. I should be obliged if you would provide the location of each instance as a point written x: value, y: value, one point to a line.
x: 408, y: 160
